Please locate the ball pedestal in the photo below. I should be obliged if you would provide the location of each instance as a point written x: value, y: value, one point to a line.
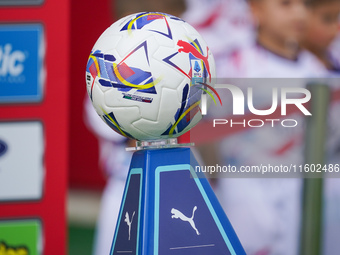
x: 169, y: 209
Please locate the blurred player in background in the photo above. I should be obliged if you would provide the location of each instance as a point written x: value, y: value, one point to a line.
x: 322, y: 29
x: 275, y: 50
x: 266, y: 212
x: 112, y: 154
x: 321, y: 32
x: 224, y: 24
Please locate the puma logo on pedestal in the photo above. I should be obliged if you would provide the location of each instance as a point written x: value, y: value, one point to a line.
x: 178, y: 215
x: 128, y: 222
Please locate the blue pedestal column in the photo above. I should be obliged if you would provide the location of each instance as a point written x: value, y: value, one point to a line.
x: 167, y: 209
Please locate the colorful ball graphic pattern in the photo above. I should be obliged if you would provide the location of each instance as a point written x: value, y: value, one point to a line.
x: 146, y: 75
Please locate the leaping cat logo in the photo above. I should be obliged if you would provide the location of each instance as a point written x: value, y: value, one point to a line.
x: 178, y: 215
x: 128, y: 222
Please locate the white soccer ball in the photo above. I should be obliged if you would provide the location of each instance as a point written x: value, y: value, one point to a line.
x: 146, y: 75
